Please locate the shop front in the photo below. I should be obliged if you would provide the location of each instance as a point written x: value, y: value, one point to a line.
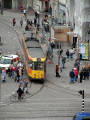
x: 7, y: 4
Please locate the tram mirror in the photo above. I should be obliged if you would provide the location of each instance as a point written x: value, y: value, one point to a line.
x: 30, y: 65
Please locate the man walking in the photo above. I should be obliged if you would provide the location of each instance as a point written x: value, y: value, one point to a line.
x: 63, y: 62
x: 14, y: 21
x: 21, y: 22
x: 72, y: 76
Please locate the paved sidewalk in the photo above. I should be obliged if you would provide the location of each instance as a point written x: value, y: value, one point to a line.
x: 64, y: 80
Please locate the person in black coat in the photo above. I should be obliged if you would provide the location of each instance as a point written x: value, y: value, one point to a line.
x: 67, y: 53
x: 81, y: 76
x: 20, y: 93
x: 72, y: 76
x: 84, y: 73
x: 35, y: 22
x: 87, y: 74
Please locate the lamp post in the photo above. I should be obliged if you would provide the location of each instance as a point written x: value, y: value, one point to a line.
x: 59, y: 53
x: 2, y: 7
x: 26, y: 4
x: 0, y: 41
x: 32, y: 3
x: 58, y: 11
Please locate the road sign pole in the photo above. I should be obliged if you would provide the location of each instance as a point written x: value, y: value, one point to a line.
x: 83, y: 103
x: 81, y: 92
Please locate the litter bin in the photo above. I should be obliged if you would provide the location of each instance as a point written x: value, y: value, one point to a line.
x: 1, y: 11
x: 0, y: 41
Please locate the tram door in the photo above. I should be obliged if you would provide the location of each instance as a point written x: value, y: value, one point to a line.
x: 8, y: 4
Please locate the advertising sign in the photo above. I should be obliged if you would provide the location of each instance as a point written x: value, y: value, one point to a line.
x: 84, y: 50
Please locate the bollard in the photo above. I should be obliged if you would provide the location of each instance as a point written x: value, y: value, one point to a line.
x: 0, y: 41
x: 81, y: 92
x: 1, y: 11
x: 83, y: 101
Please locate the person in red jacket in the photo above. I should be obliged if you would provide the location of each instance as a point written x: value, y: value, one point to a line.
x: 13, y: 71
x: 21, y: 8
x: 76, y: 73
x: 57, y: 71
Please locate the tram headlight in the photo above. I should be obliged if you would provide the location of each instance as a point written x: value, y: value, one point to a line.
x: 42, y: 76
x: 34, y: 75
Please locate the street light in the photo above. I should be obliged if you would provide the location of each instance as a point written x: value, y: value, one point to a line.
x: 58, y: 10
x: 2, y: 7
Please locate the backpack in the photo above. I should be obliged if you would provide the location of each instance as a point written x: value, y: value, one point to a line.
x: 14, y: 21
x: 72, y: 74
x: 64, y: 59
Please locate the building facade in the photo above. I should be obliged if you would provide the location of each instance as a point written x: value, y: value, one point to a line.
x: 62, y: 13
x: 58, y: 10
x: 78, y: 15
x: 15, y: 4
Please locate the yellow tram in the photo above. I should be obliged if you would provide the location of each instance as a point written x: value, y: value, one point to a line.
x: 34, y: 58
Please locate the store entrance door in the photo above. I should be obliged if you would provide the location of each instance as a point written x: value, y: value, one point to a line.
x: 46, y: 6
x: 8, y: 4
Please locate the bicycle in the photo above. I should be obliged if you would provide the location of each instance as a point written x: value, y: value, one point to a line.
x: 14, y: 97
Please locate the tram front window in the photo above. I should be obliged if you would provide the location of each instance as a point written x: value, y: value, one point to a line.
x: 38, y: 65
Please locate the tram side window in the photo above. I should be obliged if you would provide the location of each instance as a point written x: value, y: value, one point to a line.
x: 38, y: 65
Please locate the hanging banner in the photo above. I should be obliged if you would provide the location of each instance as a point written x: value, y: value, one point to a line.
x: 84, y: 50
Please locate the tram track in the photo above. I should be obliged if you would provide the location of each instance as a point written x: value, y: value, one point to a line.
x: 8, y: 24
x: 55, y: 86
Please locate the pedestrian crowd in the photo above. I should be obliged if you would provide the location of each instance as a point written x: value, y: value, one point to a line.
x: 78, y: 72
x: 16, y: 73
x: 74, y: 73
x: 23, y: 88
